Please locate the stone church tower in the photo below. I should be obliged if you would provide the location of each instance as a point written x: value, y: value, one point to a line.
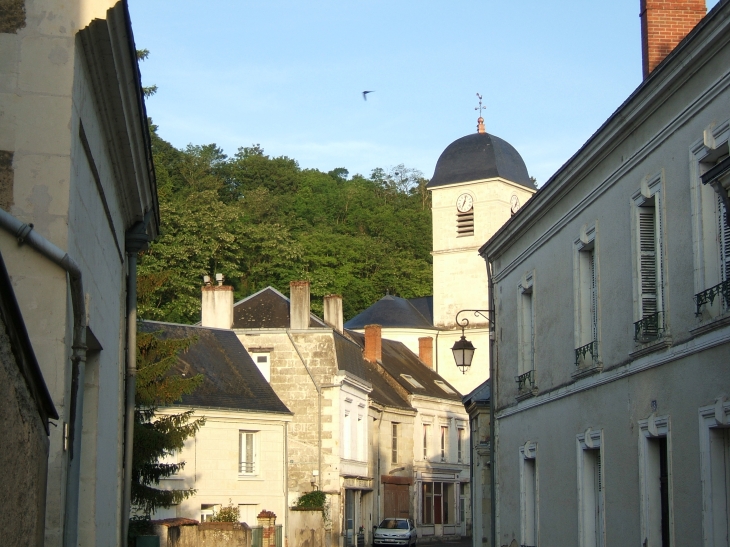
x: 479, y: 182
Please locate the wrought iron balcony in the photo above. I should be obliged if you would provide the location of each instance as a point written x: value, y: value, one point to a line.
x: 649, y: 328
x: 526, y: 380
x: 590, y: 348
x: 708, y: 296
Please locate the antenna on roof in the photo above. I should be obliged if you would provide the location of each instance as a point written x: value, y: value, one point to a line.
x: 480, y: 120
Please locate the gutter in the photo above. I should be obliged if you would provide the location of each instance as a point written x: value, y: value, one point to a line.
x: 136, y: 240
x: 25, y: 234
x: 492, y: 386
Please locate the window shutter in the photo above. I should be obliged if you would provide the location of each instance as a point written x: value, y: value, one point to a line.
x: 648, y: 258
x: 594, y: 298
x: 724, y: 241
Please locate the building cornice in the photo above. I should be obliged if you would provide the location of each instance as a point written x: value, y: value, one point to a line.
x: 674, y: 353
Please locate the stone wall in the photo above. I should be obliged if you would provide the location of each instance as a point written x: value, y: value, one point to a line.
x: 206, y: 534
x: 307, y: 529
x: 23, y: 457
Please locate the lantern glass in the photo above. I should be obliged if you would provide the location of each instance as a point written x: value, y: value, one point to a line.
x: 463, y: 351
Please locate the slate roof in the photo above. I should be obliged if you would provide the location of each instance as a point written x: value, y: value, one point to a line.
x: 479, y: 156
x: 480, y: 394
x: 266, y: 309
x: 383, y: 393
x: 397, y: 360
x: 232, y: 380
x: 424, y: 305
x: 393, y: 311
x: 349, y: 356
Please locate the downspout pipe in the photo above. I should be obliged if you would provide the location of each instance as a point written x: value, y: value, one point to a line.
x: 25, y: 235
x: 136, y: 240
x: 492, y: 398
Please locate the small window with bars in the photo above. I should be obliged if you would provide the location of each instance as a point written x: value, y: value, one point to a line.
x: 247, y: 459
x: 465, y: 224
x: 394, y: 443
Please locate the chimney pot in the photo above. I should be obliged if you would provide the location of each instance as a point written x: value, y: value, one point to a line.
x: 299, y: 305
x: 665, y: 23
x: 373, y: 343
x: 333, y: 312
x: 425, y: 351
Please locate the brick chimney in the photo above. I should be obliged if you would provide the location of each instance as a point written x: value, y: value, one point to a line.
x: 217, y: 304
x: 373, y: 343
x: 299, y: 305
x: 333, y: 312
x: 425, y: 351
x: 664, y: 23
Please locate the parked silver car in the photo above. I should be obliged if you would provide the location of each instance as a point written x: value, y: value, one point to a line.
x: 395, y: 532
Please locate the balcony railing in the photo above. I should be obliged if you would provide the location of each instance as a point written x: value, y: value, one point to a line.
x: 649, y: 328
x: 246, y: 467
x: 525, y: 381
x: 708, y: 296
x: 590, y: 348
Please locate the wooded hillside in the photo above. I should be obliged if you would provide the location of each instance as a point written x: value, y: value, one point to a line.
x: 264, y: 221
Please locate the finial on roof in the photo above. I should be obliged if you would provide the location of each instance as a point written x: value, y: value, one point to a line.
x: 480, y: 120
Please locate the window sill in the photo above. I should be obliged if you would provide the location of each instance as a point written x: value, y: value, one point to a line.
x: 651, y: 347
x: 709, y: 325
x: 526, y: 394
x: 249, y: 478
x: 587, y: 370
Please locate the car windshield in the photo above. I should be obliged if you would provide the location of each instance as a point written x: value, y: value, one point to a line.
x: 392, y: 524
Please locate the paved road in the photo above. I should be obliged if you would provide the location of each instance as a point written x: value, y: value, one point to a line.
x: 463, y: 542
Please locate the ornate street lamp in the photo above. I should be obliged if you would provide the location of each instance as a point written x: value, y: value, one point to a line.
x: 462, y: 349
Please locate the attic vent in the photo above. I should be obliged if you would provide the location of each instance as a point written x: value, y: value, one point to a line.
x: 411, y: 380
x: 465, y: 224
x: 446, y: 388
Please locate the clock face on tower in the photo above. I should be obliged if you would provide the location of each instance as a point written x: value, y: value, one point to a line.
x: 514, y: 204
x: 464, y: 203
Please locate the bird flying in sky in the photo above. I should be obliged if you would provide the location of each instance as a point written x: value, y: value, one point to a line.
x: 365, y: 95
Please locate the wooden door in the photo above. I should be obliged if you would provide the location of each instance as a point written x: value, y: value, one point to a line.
x: 397, y: 501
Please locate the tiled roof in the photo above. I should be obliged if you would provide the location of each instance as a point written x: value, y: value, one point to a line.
x: 232, y: 380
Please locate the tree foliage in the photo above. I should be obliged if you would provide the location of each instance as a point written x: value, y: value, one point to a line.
x: 159, y: 435
x: 263, y: 220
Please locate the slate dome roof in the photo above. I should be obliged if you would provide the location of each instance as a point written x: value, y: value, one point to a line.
x: 394, y: 312
x: 480, y: 156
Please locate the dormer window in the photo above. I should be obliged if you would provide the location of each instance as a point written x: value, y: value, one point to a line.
x: 411, y: 380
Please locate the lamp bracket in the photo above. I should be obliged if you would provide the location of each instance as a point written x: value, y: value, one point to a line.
x: 464, y: 322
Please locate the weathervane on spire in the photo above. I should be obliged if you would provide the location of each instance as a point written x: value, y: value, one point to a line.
x: 480, y: 120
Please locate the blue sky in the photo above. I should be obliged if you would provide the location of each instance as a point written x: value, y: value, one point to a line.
x: 288, y: 75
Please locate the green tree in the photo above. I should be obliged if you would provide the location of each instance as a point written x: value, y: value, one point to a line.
x: 262, y: 221
x: 159, y: 435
